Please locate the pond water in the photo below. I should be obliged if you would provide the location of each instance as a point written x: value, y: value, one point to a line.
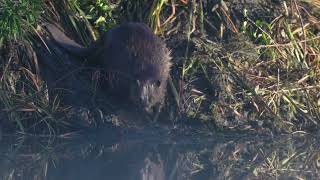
x: 155, y: 155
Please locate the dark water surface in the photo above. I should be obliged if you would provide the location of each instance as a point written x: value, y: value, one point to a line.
x: 159, y: 155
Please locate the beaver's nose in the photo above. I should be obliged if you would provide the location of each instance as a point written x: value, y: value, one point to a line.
x: 145, y: 103
x: 144, y: 97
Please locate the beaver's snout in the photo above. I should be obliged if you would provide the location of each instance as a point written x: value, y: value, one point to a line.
x: 148, y: 94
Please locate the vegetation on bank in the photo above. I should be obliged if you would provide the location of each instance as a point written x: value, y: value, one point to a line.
x: 251, y: 66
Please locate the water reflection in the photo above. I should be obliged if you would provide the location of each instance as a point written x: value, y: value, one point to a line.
x: 147, y: 156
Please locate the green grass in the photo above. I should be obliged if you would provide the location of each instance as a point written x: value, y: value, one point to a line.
x: 18, y: 17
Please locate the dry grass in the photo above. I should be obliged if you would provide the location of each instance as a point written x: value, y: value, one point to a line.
x: 236, y: 72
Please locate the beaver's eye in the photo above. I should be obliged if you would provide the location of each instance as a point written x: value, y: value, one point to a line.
x: 158, y: 83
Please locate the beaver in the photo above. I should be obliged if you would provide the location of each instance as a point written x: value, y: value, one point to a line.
x: 136, y: 60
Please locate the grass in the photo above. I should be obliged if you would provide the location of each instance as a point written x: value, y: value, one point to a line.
x: 18, y: 17
x: 277, y: 83
x: 250, y: 73
x: 291, y: 51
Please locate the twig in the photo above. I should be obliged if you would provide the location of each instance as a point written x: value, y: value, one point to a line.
x: 286, y: 44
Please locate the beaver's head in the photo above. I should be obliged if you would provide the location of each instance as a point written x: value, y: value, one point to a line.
x: 150, y: 79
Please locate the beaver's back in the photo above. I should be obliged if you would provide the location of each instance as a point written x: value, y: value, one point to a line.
x: 133, y: 48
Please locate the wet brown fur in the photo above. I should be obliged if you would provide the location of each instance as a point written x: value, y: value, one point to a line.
x: 137, y: 61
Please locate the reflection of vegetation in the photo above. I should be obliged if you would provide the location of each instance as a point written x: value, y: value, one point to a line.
x: 248, y: 158
x: 263, y: 77
x: 299, y: 153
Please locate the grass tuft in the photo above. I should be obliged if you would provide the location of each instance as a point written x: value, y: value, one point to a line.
x: 18, y: 17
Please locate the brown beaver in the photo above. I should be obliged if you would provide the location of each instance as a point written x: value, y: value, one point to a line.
x: 137, y: 61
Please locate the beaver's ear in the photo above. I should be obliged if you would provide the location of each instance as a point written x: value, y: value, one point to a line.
x: 65, y: 42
